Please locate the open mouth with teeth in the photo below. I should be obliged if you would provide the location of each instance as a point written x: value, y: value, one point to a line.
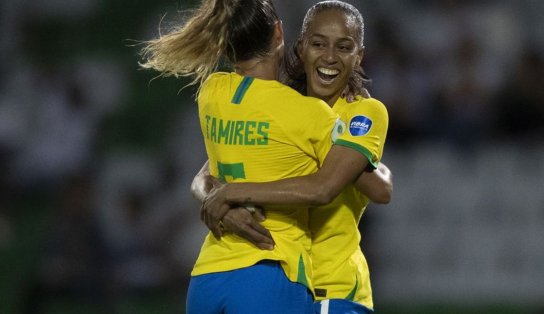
x: 327, y: 74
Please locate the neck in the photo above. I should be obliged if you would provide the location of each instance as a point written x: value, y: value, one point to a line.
x: 261, y: 68
x: 330, y: 100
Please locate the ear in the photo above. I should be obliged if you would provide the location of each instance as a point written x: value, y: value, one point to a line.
x: 299, y: 47
x: 360, y: 56
x: 278, y: 34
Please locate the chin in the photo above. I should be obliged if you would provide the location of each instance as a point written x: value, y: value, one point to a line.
x: 324, y: 93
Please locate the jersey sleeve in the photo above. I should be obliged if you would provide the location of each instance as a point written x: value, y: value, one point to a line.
x: 366, y: 124
x: 320, y: 122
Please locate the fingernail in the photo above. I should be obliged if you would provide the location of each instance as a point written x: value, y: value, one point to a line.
x: 269, y: 247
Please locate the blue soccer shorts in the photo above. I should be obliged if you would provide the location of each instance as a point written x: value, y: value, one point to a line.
x: 340, y: 306
x: 261, y: 288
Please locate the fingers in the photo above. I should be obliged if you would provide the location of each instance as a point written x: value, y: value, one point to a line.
x: 214, y: 216
x: 260, y: 237
x: 214, y: 224
x: 215, y: 182
x: 220, y: 216
x: 259, y: 240
x: 216, y: 231
x: 212, y: 211
x: 263, y: 235
x: 259, y: 215
x: 214, y: 228
x: 242, y: 223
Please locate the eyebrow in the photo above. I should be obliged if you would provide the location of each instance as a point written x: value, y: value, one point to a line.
x: 340, y: 39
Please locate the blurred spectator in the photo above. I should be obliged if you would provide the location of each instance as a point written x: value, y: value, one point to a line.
x: 60, y: 130
x: 76, y: 261
x: 398, y: 78
x: 139, y: 209
x: 139, y: 261
x: 6, y: 230
x: 520, y: 101
x: 457, y: 110
x: 185, y: 149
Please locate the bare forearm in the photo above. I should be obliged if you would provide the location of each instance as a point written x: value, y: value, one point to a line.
x: 306, y: 190
x: 341, y: 167
x: 376, y: 185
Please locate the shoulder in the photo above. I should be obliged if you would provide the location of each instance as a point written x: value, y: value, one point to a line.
x: 279, y: 89
x: 217, y: 78
x: 367, y: 105
x: 292, y: 100
x: 217, y: 84
x: 370, y: 102
x: 314, y: 106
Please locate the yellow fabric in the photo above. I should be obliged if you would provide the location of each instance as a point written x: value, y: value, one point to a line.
x: 340, y: 269
x: 265, y: 133
x: 368, y: 116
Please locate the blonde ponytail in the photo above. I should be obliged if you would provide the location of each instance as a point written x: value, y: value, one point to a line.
x: 195, y: 48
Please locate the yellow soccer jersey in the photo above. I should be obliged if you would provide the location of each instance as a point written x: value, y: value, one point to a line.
x: 256, y: 131
x: 340, y: 269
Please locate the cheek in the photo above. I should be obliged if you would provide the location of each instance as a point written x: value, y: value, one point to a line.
x: 307, y: 60
x: 307, y: 68
x: 353, y: 62
x: 307, y: 57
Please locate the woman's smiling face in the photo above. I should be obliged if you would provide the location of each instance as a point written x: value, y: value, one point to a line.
x: 330, y: 51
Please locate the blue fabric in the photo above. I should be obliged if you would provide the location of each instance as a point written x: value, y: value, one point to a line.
x: 340, y: 306
x: 261, y: 288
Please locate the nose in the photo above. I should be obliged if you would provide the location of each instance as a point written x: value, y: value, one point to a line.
x: 330, y: 55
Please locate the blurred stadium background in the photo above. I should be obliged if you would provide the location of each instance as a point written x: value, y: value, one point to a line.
x: 96, y: 158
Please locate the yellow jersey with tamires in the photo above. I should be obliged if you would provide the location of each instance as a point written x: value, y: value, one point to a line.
x: 255, y: 131
x: 340, y: 269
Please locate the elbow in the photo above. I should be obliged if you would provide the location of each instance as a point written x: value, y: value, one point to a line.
x: 322, y: 199
x: 316, y: 190
x: 385, y: 196
x: 199, y: 188
x: 383, y: 199
x: 322, y: 195
x: 196, y: 193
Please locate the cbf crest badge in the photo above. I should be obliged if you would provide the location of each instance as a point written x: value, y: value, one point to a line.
x: 339, y: 129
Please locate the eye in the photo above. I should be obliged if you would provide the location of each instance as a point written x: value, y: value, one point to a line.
x: 345, y: 45
x: 345, y: 48
x: 317, y: 44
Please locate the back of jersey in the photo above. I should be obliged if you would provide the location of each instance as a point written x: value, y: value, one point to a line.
x: 256, y: 131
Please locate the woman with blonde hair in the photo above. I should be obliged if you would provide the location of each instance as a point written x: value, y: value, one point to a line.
x: 249, y: 122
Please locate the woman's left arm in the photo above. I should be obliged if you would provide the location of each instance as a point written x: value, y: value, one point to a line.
x: 342, y: 166
x: 376, y: 185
